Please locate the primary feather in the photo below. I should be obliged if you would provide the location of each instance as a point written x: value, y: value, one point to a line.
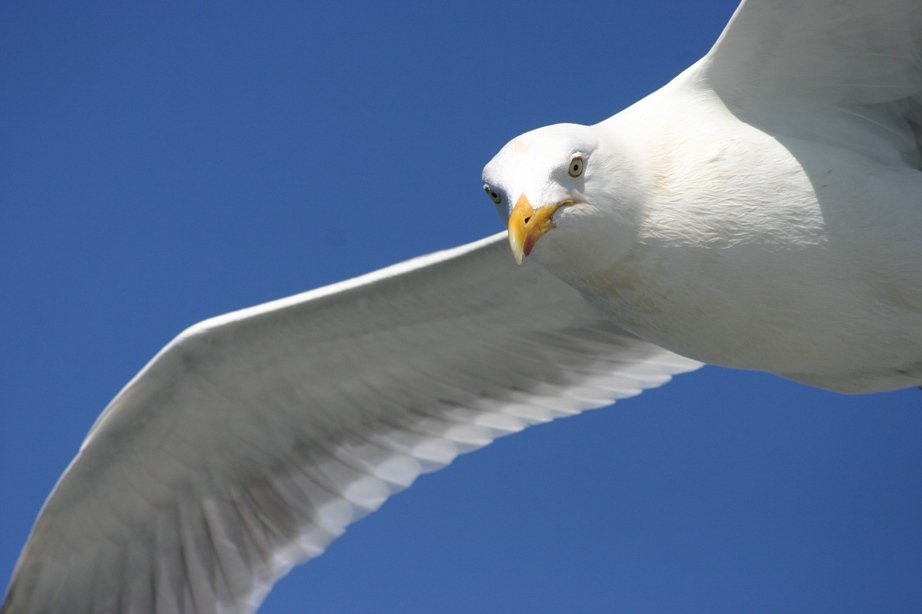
x: 254, y: 439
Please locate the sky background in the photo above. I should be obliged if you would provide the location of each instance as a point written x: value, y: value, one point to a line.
x: 163, y: 163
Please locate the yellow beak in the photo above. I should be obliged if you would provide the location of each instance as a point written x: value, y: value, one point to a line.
x: 526, y: 226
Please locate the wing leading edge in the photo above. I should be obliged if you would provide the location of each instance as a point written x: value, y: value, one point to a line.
x: 254, y: 439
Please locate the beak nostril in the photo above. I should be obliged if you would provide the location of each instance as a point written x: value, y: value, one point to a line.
x: 526, y: 220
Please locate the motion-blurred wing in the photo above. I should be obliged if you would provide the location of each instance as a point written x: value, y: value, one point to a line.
x: 251, y: 441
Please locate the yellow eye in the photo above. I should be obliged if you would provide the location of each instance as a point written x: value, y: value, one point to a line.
x: 576, y: 167
x: 496, y: 198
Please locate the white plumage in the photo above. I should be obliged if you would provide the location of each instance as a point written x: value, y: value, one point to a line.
x: 762, y: 211
x: 254, y: 439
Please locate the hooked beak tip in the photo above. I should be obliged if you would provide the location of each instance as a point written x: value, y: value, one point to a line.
x: 527, y: 225
x: 518, y: 229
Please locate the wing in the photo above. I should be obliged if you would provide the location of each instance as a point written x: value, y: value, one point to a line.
x: 254, y: 439
x: 838, y: 71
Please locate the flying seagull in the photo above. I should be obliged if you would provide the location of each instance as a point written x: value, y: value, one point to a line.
x: 225, y: 461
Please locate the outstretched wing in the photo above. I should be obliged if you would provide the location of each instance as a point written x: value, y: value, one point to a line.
x: 839, y: 71
x: 254, y: 439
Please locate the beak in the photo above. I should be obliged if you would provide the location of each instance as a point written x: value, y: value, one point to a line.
x: 526, y: 226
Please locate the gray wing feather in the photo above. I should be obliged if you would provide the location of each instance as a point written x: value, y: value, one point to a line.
x: 254, y: 439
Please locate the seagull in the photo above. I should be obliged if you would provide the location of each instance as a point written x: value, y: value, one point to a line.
x: 761, y: 211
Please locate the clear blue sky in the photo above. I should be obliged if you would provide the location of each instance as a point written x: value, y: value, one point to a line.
x: 162, y: 163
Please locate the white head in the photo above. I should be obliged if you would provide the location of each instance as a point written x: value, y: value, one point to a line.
x: 573, y: 186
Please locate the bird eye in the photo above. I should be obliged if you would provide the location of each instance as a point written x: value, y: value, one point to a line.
x: 496, y: 198
x: 576, y: 167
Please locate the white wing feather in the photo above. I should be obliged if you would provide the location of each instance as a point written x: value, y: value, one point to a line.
x: 844, y: 72
x: 254, y: 439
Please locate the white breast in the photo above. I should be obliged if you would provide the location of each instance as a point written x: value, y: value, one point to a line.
x: 772, y: 253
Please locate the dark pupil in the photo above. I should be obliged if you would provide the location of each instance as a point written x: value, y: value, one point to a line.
x: 575, y: 166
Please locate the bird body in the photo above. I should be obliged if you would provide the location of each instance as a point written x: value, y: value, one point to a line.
x: 782, y: 255
x: 737, y: 244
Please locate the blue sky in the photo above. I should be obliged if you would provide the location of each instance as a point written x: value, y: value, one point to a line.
x: 163, y: 163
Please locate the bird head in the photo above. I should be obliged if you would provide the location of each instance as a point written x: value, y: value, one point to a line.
x: 572, y: 188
